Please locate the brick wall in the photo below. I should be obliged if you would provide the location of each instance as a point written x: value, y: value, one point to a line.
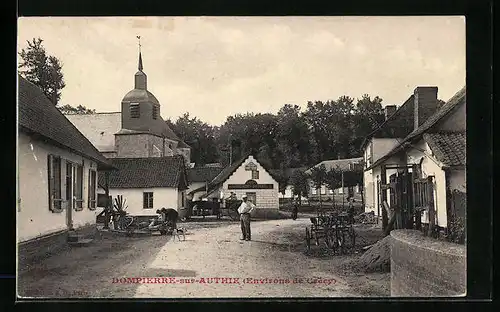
x: 425, y: 267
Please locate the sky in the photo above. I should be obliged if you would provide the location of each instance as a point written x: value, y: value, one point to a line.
x: 213, y: 67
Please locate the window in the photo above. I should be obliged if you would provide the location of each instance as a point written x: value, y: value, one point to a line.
x: 147, y: 200
x: 54, y: 175
x: 78, y: 187
x: 156, y: 110
x: 255, y: 174
x: 92, y: 193
x: 314, y: 191
x: 323, y: 190
x: 330, y: 191
x: 135, y: 111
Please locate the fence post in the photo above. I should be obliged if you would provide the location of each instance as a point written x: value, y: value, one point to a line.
x: 432, y: 212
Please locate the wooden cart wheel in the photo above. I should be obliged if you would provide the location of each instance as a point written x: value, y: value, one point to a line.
x: 341, y: 241
x: 330, y: 239
x: 308, y: 239
x: 351, y: 237
x: 316, y: 236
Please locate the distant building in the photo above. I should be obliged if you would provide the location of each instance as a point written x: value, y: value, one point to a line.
x: 246, y: 176
x: 347, y: 164
x: 199, y: 177
x: 288, y: 174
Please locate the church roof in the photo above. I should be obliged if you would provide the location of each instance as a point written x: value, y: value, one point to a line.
x: 138, y: 95
x: 39, y: 117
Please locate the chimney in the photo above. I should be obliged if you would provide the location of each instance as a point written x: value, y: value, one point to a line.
x: 389, y: 110
x: 424, y: 104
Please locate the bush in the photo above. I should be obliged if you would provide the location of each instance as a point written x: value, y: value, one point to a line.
x: 456, y: 230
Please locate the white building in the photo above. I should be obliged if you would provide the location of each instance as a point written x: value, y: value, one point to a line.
x: 58, y: 170
x: 435, y: 148
x: 247, y: 176
x: 346, y: 164
x: 145, y: 190
x: 399, y: 122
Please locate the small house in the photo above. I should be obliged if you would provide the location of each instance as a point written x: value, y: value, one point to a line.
x: 246, y: 176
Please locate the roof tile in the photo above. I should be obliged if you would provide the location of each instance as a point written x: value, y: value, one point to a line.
x: 448, y: 148
x: 145, y: 172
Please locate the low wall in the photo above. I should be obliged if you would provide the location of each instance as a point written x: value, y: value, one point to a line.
x: 425, y: 267
x: 37, y: 249
x: 267, y: 214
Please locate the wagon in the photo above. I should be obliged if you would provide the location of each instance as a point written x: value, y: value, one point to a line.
x: 336, y: 230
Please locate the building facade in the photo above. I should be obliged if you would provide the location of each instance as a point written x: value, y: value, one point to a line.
x: 434, y: 150
x: 249, y: 177
x: 57, y: 170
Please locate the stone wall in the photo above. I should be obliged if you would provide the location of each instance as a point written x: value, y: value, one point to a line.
x: 34, y: 250
x: 425, y: 267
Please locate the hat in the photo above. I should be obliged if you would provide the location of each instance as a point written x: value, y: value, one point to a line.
x: 243, y: 197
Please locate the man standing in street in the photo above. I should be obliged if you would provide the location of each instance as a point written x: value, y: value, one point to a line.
x: 244, y: 210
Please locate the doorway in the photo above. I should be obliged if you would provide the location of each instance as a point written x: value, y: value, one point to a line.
x: 252, y: 197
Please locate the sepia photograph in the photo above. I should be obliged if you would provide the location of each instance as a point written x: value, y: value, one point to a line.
x: 219, y: 157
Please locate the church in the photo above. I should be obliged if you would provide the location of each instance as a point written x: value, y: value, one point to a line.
x: 152, y: 161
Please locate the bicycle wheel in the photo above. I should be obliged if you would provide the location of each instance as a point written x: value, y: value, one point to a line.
x: 308, y: 239
x: 128, y: 221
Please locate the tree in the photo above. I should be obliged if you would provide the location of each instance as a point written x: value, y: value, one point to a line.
x: 333, y: 180
x: 41, y: 69
x: 282, y: 180
x: 318, y: 176
x: 80, y: 110
x: 300, y: 185
x: 199, y: 136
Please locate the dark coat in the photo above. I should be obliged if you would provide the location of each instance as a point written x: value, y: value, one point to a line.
x: 170, y: 214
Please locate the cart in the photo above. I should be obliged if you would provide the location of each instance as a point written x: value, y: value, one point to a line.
x: 336, y: 230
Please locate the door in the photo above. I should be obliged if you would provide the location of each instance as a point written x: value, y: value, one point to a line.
x: 69, y: 195
x: 252, y: 197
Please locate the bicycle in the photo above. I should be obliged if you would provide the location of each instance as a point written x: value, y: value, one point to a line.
x: 123, y: 222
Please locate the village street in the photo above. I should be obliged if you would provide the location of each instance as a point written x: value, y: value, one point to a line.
x: 212, y: 250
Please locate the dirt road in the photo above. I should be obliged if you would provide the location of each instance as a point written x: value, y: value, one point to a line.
x: 211, y: 262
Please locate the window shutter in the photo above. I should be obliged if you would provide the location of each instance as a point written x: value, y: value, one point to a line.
x: 50, y: 180
x: 89, y: 197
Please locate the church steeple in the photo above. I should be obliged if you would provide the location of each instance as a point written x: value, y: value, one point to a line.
x: 140, y: 76
x: 140, y: 60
